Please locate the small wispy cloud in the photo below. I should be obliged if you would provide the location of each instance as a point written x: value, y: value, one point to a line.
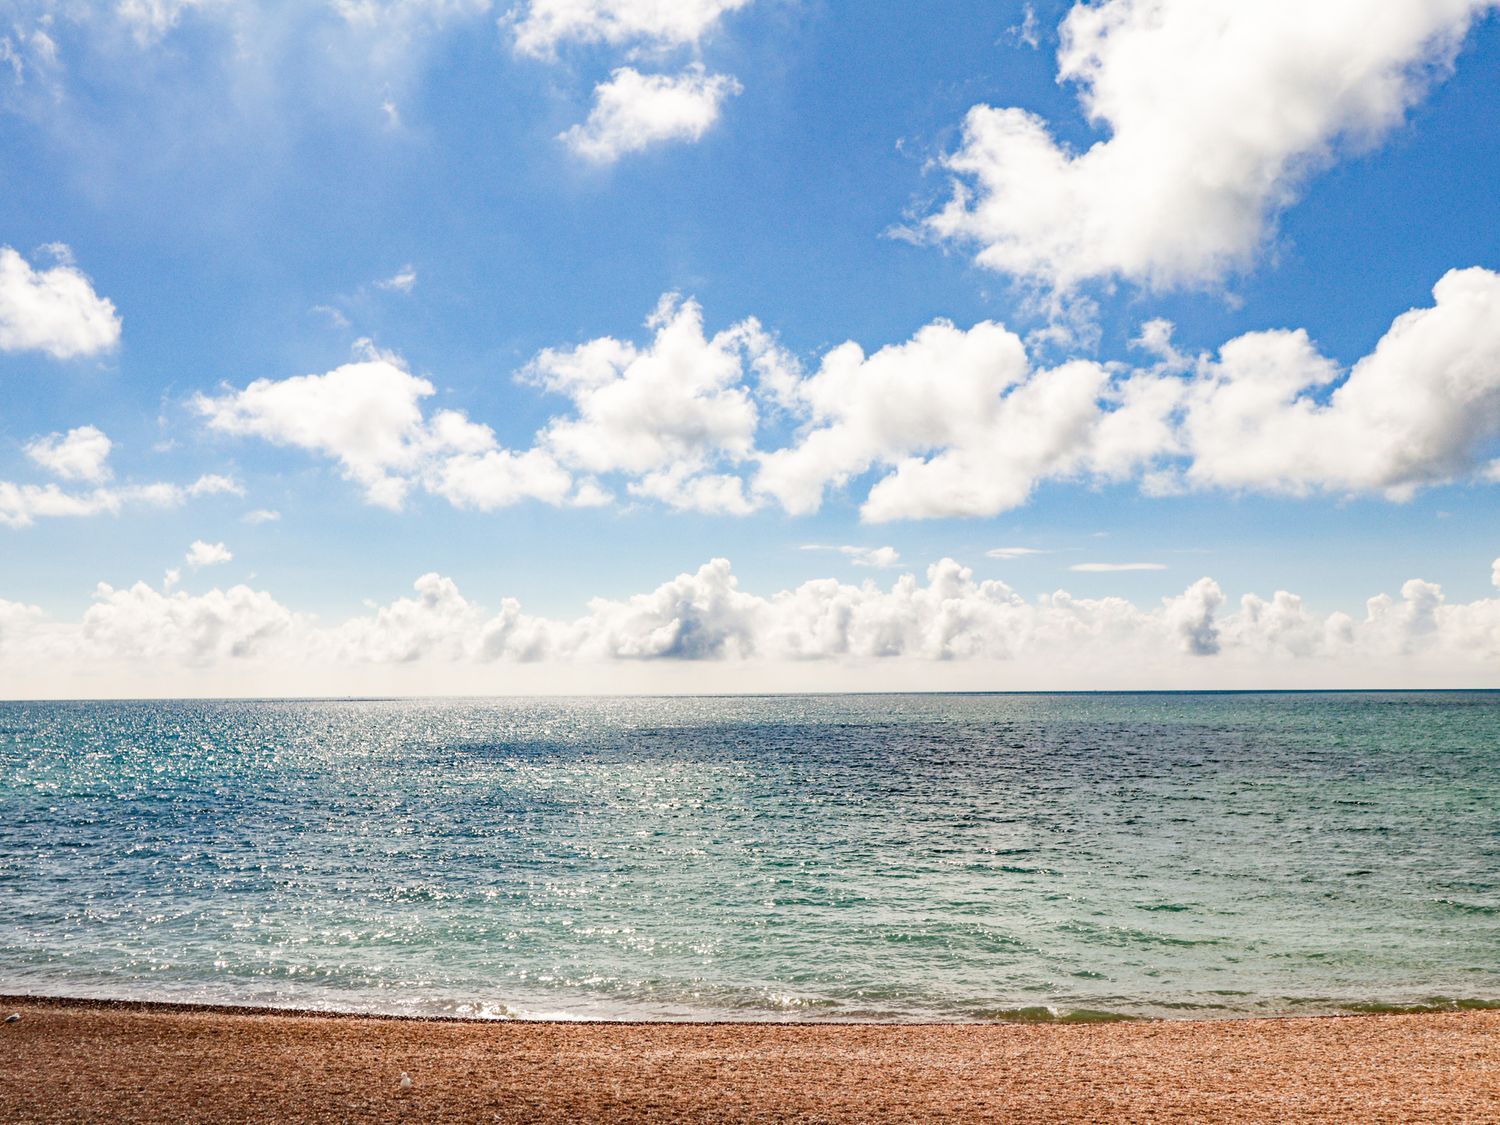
x: 335, y: 316
x: 1007, y: 553
x: 403, y: 280
x: 880, y: 557
x: 215, y: 484
x: 1028, y: 32
x: 342, y: 308
x: 1111, y: 568
x: 261, y: 515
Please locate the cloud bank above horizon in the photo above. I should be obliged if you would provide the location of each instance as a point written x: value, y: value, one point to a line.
x: 823, y: 633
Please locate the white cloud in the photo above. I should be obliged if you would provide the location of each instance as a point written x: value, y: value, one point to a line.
x: 12, y: 57
x: 1028, y: 32
x: 80, y: 454
x: 1046, y: 427
x: 405, y: 18
x: 190, y: 66
x: 634, y: 111
x: 1215, y: 110
x: 29, y: 52
x: 18, y: 620
x: 667, y: 415
x: 403, y: 280
x: 881, y: 558
x: 52, y: 310
x: 368, y: 416
x: 202, y: 554
x: 1155, y: 338
x: 21, y: 505
x: 637, y: 409
x: 437, y: 622
x: 1191, y: 617
x: 702, y: 616
x: 1005, y: 554
x: 150, y: 20
x: 1112, y: 568
x: 926, y: 630
x: 541, y: 26
x: 963, y: 424
x: 686, y: 489
x: 214, y: 484
x: 664, y: 413
x: 968, y: 427
x: 942, y: 388
x: 261, y: 515
x: 952, y: 422
x: 385, y: 29
x: 160, y: 629
x: 335, y: 315
x: 1422, y: 408
x: 497, y: 478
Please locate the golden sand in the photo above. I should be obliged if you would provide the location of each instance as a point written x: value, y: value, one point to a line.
x: 86, y: 1061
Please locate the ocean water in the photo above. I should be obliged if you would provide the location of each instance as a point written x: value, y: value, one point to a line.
x: 869, y: 857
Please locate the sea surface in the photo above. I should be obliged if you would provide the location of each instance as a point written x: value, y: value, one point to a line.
x: 875, y: 857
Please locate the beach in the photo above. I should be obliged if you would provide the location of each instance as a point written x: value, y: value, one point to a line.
x: 69, y: 1060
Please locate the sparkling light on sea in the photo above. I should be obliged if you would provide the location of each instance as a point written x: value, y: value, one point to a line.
x: 866, y: 857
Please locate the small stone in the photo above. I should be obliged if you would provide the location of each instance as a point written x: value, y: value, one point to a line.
x: 13, y: 1017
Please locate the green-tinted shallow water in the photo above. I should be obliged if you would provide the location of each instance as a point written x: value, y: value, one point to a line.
x: 876, y: 857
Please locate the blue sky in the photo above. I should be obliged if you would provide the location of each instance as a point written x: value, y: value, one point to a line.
x: 264, y: 192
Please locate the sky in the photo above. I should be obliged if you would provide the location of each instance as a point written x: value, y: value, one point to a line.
x: 450, y: 346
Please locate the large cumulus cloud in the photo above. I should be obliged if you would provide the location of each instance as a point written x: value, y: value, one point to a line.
x: 1214, y: 112
x: 954, y: 421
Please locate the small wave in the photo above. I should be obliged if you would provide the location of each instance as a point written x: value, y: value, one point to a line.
x: 1045, y: 1013
x: 786, y: 1002
x: 1462, y: 907
x: 1128, y: 936
x: 1417, y: 1007
x: 492, y: 1011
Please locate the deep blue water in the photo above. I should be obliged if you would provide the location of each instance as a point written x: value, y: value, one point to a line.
x: 867, y: 857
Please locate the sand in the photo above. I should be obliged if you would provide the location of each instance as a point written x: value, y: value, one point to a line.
x: 67, y: 1060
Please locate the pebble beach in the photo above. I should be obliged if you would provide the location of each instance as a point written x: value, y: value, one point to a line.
x: 70, y: 1060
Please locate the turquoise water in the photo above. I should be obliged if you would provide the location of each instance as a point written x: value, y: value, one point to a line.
x: 872, y: 857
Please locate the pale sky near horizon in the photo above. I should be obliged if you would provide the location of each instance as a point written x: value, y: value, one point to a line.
x: 369, y: 346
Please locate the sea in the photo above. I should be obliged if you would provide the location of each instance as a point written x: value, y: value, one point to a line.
x: 900, y: 858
